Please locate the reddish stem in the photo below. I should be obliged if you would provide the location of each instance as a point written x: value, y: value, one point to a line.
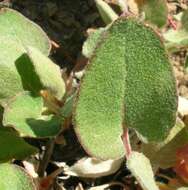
x: 172, y: 23
x: 126, y: 142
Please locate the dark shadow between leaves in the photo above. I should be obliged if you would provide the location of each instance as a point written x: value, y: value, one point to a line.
x: 30, y: 80
x: 45, y: 128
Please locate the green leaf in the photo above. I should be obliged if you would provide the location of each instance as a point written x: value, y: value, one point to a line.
x: 176, y: 38
x: 184, y: 20
x: 13, y: 146
x: 156, y: 11
x: 16, y: 27
x: 67, y: 109
x: 129, y: 80
x: 15, y: 177
x: 164, y: 154
x: 47, y: 72
x: 91, y: 43
x: 16, y: 32
x: 140, y: 167
x: 107, y: 13
x: 24, y: 113
x: 10, y: 80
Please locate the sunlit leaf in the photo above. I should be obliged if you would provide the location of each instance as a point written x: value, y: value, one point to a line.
x: 91, y: 43
x: 14, y: 177
x: 106, y: 12
x: 129, y: 80
x: 140, y: 167
x: 16, y: 32
x: 24, y: 113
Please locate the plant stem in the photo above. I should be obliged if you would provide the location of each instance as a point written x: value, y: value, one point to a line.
x: 126, y: 142
x: 46, y: 157
x: 172, y: 23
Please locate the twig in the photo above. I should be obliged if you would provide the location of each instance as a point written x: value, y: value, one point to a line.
x: 46, y: 157
x: 172, y: 23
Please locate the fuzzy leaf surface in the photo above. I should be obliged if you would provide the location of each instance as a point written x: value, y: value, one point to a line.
x: 16, y: 32
x: 91, y: 43
x: 129, y: 80
x: 107, y: 13
x: 18, y: 28
x: 24, y: 113
x: 176, y: 38
x: 48, y: 72
x: 15, y: 177
x: 13, y: 146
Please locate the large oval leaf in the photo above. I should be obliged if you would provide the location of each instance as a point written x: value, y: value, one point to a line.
x: 129, y: 77
x: 14, y: 177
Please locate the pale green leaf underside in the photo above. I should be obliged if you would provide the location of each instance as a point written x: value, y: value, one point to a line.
x: 140, y: 167
x: 130, y: 77
x: 10, y: 80
x: 14, y: 177
x: 17, y: 32
x: 13, y: 146
x: 176, y: 37
x: 14, y: 26
x: 107, y: 13
x: 24, y: 114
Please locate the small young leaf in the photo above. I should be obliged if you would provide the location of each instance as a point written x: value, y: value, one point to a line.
x: 67, y: 108
x: 176, y: 38
x: 24, y: 113
x: 106, y: 12
x: 156, y: 11
x: 48, y: 72
x: 140, y: 167
x: 15, y: 177
x: 129, y: 80
x: 13, y: 146
x: 91, y: 43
